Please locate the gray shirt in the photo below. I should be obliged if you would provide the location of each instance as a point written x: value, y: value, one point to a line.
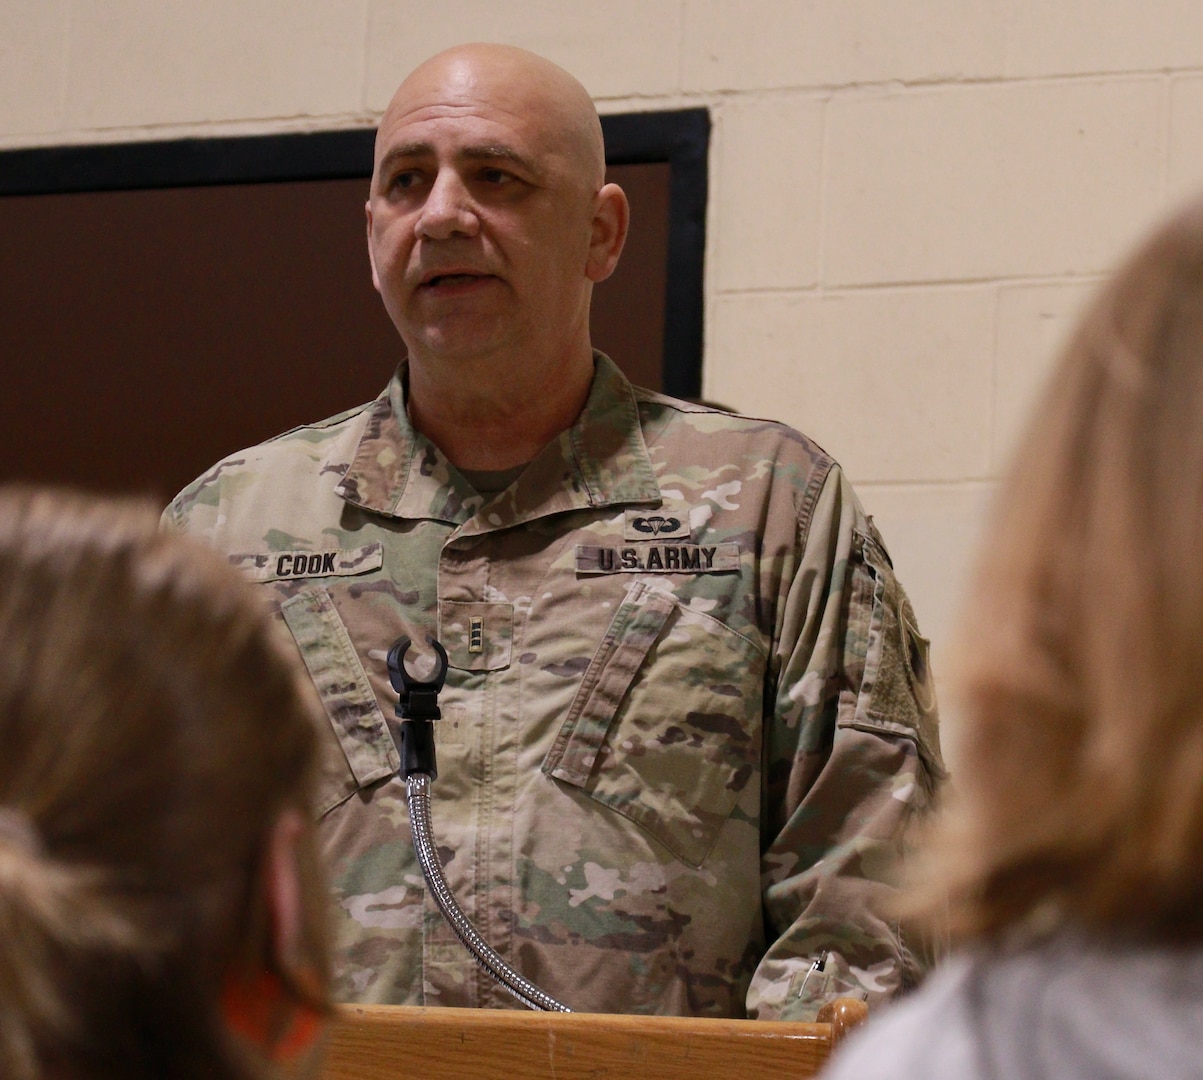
x: 1065, y: 1009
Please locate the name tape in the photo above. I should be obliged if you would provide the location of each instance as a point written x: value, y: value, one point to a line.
x: 657, y: 559
x: 332, y: 562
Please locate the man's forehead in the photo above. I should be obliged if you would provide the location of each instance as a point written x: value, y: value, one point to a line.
x: 460, y: 88
x: 451, y: 115
x: 466, y: 132
x: 500, y: 96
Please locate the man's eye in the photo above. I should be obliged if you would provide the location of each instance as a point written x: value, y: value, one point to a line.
x: 495, y: 176
x: 403, y: 180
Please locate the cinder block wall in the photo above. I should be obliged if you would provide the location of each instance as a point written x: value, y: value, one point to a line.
x: 909, y: 200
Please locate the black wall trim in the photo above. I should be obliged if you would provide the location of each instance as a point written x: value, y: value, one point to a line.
x: 244, y: 159
x: 682, y: 138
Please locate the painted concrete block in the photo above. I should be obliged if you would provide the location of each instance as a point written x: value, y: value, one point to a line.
x: 1087, y: 37
x: 33, y: 65
x: 1034, y: 325
x: 618, y: 49
x: 145, y: 62
x: 1185, y: 168
x: 765, y: 195
x: 758, y: 44
x: 895, y: 383
x: 980, y: 182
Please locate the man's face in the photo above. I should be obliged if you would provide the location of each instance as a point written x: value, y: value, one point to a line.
x: 479, y: 218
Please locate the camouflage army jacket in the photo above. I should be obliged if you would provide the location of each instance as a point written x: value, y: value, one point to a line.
x: 686, y: 722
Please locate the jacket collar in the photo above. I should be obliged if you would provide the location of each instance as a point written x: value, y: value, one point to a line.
x: 601, y: 460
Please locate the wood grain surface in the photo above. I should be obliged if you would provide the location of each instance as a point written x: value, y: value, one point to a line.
x: 385, y: 1042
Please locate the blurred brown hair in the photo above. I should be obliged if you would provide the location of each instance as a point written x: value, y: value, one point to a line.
x: 1081, y: 659
x: 151, y: 732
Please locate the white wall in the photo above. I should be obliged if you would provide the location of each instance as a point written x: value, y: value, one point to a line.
x: 909, y: 198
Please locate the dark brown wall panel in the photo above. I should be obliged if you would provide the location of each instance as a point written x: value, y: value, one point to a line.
x: 146, y: 331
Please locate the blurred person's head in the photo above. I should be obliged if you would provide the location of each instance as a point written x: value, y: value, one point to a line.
x: 1080, y: 791
x: 161, y: 907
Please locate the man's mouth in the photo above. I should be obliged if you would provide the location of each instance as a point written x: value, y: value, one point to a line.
x: 453, y: 279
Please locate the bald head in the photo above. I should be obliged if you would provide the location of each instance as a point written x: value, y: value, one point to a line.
x: 517, y: 82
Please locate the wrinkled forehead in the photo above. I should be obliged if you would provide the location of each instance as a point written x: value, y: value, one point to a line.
x: 542, y: 111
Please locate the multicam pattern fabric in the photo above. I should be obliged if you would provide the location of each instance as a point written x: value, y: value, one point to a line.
x: 686, y: 723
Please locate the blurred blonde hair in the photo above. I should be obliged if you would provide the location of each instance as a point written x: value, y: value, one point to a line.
x: 152, y: 732
x: 1080, y: 796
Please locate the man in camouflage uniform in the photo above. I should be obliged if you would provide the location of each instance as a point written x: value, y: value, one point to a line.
x: 687, y: 717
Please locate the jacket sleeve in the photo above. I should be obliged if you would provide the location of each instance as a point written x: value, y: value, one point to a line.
x: 852, y: 757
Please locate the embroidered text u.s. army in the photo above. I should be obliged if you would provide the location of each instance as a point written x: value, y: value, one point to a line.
x: 657, y: 559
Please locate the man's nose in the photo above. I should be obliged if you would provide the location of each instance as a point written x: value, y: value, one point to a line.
x: 448, y: 209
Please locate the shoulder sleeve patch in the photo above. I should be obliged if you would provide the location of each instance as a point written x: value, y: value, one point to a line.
x: 897, y: 692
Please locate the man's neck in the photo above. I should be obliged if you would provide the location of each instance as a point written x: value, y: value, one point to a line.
x: 494, y: 414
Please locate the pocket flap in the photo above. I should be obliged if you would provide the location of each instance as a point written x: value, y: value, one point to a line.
x: 342, y: 685
x: 666, y: 726
x: 619, y: 658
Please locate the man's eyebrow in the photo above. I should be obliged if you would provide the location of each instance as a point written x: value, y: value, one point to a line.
x: 497, y: 152
x: 481, y: 152
x: 404, y: 150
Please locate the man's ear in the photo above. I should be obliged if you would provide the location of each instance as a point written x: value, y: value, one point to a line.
x: 611, y: 218
x: 282, y: 889
x: 367, y: 210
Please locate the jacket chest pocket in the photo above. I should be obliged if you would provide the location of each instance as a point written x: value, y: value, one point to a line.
x: 666, y: 726
x: 365, y: 752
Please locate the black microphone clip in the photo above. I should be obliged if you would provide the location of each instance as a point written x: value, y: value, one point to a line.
x: 416, y: 709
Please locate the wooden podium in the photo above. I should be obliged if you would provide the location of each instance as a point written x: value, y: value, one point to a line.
x: 397, y: 1042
